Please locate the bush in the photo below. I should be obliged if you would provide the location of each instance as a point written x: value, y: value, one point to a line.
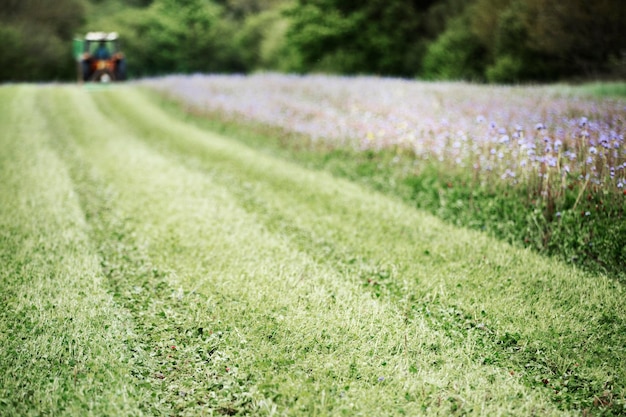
x: 31, y: 53
x: 507, y: 69
x: 455, y: 55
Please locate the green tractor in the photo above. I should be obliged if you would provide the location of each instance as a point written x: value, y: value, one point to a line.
x: 99, y: 58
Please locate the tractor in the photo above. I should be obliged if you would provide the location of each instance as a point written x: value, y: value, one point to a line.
x: 99, y: 58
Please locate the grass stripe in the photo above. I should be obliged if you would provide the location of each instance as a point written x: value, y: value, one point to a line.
x: 63, y: 339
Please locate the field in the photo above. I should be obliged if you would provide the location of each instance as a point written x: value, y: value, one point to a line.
x: 544, y: 167
x: 150, y: 266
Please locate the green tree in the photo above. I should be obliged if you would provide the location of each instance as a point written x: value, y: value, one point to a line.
x: 456, y: 54
x: 36, y: 39
x: 177, y: 37
x: 378, y: 36
x: 584, y: 36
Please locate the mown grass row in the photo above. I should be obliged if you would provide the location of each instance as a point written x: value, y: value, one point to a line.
x: 64, y: 340
x: 233, y: 282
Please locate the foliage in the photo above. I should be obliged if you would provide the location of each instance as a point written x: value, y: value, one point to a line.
x: 455, y: 55
x: 378, y: 37
x: 499, y: 41
x: 36, y: 38
x: 261, y: 41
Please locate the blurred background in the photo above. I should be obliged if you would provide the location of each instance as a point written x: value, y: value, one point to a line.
x: 497, y: 41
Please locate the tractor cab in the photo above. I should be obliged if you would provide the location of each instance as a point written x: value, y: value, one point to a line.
x: 100, y: 58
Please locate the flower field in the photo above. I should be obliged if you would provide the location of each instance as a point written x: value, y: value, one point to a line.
x: 540, y: 166
x: 529, y: 135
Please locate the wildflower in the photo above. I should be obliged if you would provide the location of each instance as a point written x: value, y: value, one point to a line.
x: 480, y: 119
x: 582, y: 122
x: 558, y: 214
x: 551, y: 161
x: 504, y: 139
x: 593, y: 150
x: 381, y: 378
x: 540, y: 126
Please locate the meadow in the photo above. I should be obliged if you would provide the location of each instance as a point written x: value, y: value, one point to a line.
x: 150, y: 265
x: 551, y: 159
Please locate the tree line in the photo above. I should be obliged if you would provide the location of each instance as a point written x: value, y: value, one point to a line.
x: 504, y: 41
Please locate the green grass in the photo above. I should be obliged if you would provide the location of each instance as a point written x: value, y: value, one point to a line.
x: 600, y: 89
x: 203, y: 276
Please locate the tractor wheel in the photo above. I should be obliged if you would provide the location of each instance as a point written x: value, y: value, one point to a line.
x: 102, y: 76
